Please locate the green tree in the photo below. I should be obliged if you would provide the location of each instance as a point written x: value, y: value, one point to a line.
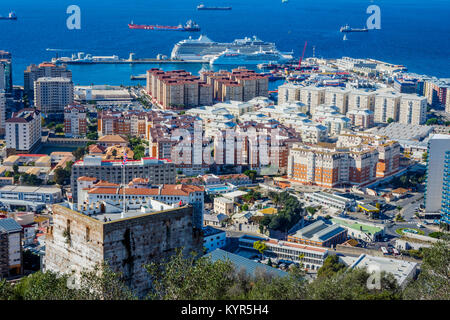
x: 251, y: 174
x: 15, y: 169
x: 188, y: 278
x: 102, y: 283
x: 352, y: 285
x: 6, y: 290
x: 330, y: 267
x: 43, y: 286
x: 59, y: 128
x: 390, y: 120
x: 139, y: 152
x: 431, y: 121
x: 92, y: 135
x: 433, y: 282
x: 260, y: 246
x: 79, y: 153
x: 61, y: 176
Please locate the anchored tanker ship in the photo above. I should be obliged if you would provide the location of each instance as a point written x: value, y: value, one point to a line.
x: 189, y: 26
x: 204, y: 49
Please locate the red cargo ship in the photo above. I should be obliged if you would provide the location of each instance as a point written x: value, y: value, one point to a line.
x: 189, y: 26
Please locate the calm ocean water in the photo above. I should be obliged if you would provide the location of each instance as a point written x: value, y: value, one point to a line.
x: 413, y: 32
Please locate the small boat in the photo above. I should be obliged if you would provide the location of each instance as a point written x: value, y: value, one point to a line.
x: 347, y: 28
x: 11, y: 16
x: 203, y: 7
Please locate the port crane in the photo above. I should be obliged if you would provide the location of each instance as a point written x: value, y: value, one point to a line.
x: 301, y: 58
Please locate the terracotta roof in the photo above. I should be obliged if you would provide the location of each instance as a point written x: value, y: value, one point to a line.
x: 84, y: 178
x: 112, y: 138
x: 166, y: 190
x: 94, y: 148
x: 103, y: 183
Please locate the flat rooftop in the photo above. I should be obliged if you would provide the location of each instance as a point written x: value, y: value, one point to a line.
x: 357, y: 226
x: 401, y: 269
x: 29, y: 189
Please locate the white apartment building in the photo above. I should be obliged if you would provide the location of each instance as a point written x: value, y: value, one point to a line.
x: 330, y: 117
x: 14, y: 236
x: 52, y: 95
x: 288, y: 92
x: 23, y: 130
x: 75, y: 121
x: 337, y: 97
x: 312, y: 97
x: 361, y: 118
x: 387, y: 106
x: 224, y: 206
x: 413, y: 109
x: 361, y: 99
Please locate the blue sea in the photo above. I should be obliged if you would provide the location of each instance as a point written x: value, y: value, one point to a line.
x: 414, y: 33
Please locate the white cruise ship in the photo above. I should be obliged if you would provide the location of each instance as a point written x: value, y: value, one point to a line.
x: 204, y: 49
x: 229, y: 57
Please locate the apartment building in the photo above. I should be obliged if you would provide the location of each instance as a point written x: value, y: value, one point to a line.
x: 5, y: 72
x: 23, y: 130
x: 75, y: 121
x: 179, y: 89
x: 353, y: 160
x: 361, y: 99
x: 157, y: 171
x: 337, y: 97
x: 437, y: 188
x: 436, y: 91
x: 312, y: 97
x: 361, y: 118
x: 288, y: 92
x: 52, y: 95
x: 45, y: 69
x: 330, y: 117
x: 413, y: 109
x: 11, y: 235
x: 223, y: 206
x: 131, y: 122
x: 387, y: 106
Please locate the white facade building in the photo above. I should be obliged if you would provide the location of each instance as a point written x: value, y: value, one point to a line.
x: 52, y: 95
x: 387, y: 106
x: 337, y: 97
x: 312, y: 97
x: 361, y: 99
x: 23, y: 130
x: 413, y: 109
